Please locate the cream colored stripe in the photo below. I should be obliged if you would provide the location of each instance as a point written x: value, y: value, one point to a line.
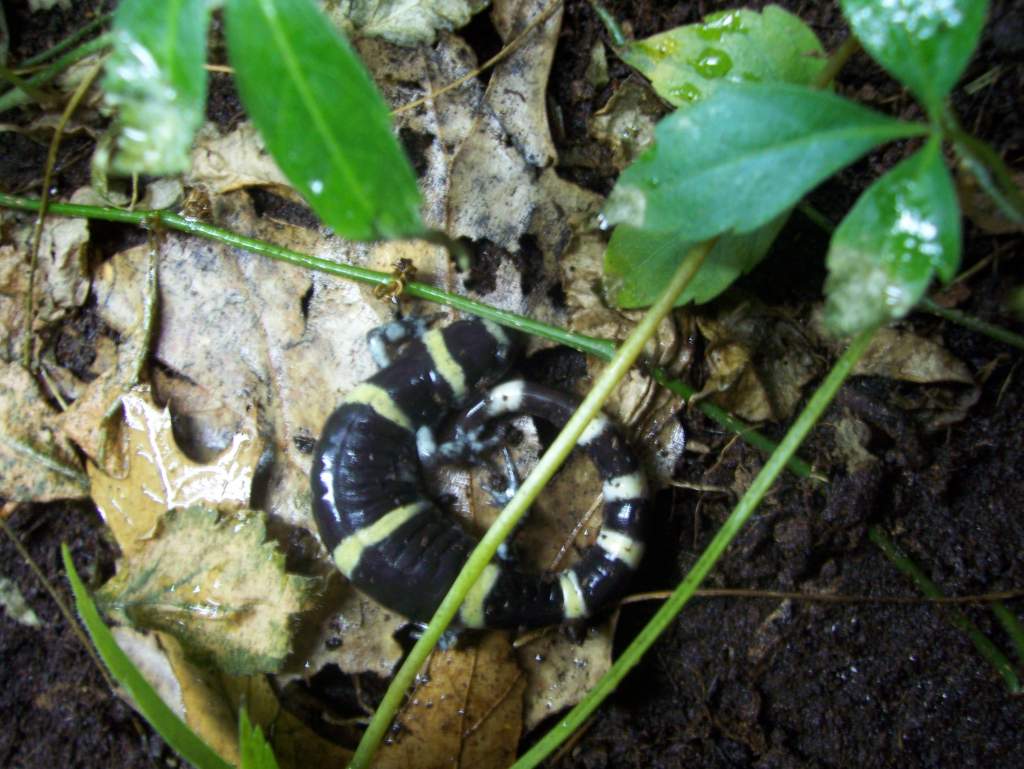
x: 378, y: 399
x: 472, y: 611
x: 594, y: 428
x: 446, y: 365
x: 632, y: 486
x: 350, y: 550
x: 506, y: 398
x: 621, y: 547
x: 497, y: 332
x: 572, y: 595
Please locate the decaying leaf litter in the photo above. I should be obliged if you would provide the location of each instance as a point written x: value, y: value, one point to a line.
x: 288, y: 347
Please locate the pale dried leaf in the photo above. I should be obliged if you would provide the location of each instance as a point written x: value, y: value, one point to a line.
x: 560, y: 671
x: 36, y: 463
x: 213, y: 582
x: 404, y: 22
x: 226, y: 162
x: 61, y: 283
x: 156, y: 476
x: 903, y: 355
x: 465, y: 711
x: 14, y: 605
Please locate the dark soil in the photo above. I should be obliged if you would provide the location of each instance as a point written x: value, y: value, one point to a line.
x: 763, y: 682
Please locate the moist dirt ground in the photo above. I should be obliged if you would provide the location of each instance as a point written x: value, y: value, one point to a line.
x: 760, y: 680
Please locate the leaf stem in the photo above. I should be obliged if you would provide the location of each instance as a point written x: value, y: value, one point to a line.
x: 600, y: 348
x: 957, y: 618
x: 611, y: 24
x: 499, y: 531
x: 67, y: 42
x: 739, y: 516
x: 974, y: 324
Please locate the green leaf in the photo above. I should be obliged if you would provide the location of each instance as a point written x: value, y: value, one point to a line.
x: 637, y: 263
x: 742, y: 156
x: 902, y: 230
x: 174, y: 731
x: 401, y: 21
x: 215, y: 584
x: 322, y: 118
x: 155, y: 81
x: 925, y: 44
x: 255, y: 752
x: 688, y: 63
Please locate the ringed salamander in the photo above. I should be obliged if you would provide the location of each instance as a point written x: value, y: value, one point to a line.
x: 398, y: 547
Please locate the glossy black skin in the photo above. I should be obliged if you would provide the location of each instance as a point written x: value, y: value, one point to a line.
x: 374, y: 467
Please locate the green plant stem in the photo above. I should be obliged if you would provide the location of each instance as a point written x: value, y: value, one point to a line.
x: 599, y: 348
x: 611, y: 24
x: 1012, y: 626
x: 17, y: 97
x: 67, y: 42
x: 545, y: 468
x: 957, y: 618
x: 974, y: 324
x: 739, y: 516
x: 13, y: 80
x: 836, y: 62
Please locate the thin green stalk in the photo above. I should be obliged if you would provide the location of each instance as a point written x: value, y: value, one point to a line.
x: 957, y: 618
x: 499, y: 531
x: 17, y: 97
x: 1012, y: 626
x: 739, y: 516
x: 67, y: 42
x: 13, y: 80
x: 600, y: 348
x: 974, y: 324
x: 611, y: 24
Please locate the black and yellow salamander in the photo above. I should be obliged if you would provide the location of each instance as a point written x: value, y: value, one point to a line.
x: 398, y: 547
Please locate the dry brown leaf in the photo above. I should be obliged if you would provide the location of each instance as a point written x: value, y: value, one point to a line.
x: 36, y: 463
x: 758, y: 363
x: 465, y: 711
x: 903, y: 355
x: 156, y: 476
x: 223, y: 163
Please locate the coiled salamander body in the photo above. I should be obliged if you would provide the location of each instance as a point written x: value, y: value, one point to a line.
x: 397, y: 546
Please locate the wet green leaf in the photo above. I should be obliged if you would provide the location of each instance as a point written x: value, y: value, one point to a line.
x: 322, y: 118
x: 688, y: 63
x: 903, y: 230
x: 153, y: 709
x: 214, y: 583
x: 155, y: 81
x: 637, y: 264
x: 924, y: 43
x: 741, y: 157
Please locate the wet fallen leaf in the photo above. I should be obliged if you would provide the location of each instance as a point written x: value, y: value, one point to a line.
x: 979, y: 207
x: 36, y: 463
x: 213, y: 582
x: 156, y: 476
x: 465, y: 711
